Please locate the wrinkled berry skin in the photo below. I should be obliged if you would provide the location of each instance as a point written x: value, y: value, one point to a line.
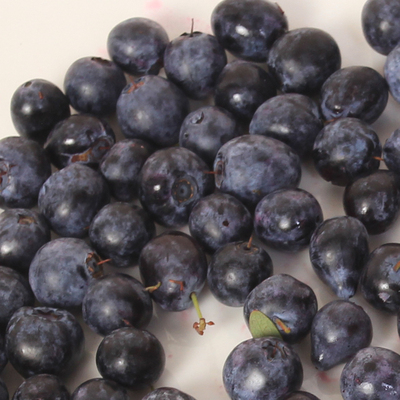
x: 93, y: 85
x: 3, y: 391
x: 167, y: 393
x: 43, y: 340
x: 70, y: 199
x: 24, y: 168
x: 339, y: 330
x: 22, y: 233
x: 302, y: 59
x: 120, y: 231
x: 175, y: 260
x: 373, y: 373
x: 374, y: 200
x: 61, y: 271
x: 262, y: 368
x: 292, y: 118
x: 3, y: 356
x: 391, y: 72
x: 120, y: 167
x: 235, y: 270
x: 287, y: 302
x: 339, y: 250
x: 137, y: 46
x: 36, y: 106
x: 391, y: 152
x: 219, y: 219
x: 345, y: 150
x: 300, y: 395
x: 251, y: 166
x: 115, y: 301
x: 357, y: 92
x: 43, y: 387
x: 80, y: 138
x: 285, y: 219
x: 171, y: 182
x: 380, y: 24
x: 248, y: 28
x: 99, y: 389
x: 131, y: 357
x: 193, y: 61
x: 242, y: 87
x: 152, y: 108
x: 380, y: 280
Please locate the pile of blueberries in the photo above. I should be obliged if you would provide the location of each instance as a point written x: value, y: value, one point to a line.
x: 75, y: 198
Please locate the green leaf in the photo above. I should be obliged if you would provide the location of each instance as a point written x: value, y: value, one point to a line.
x: 261, y: 326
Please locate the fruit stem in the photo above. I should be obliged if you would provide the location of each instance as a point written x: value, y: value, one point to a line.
x: 151, y: 289
x: 249, y: 243
x: 200, y: 326
x: 191, y: 29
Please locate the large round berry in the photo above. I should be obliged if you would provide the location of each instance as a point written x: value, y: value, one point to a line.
x: 100, y: 389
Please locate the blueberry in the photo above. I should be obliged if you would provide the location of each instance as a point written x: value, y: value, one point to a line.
x: 248, y: 28
x: 43, y: 340
x: 24, y: 168
x: 302, y: 59
x: 262, y: 368
x: 152, y: 108
x: 359, y: 92
x: 235, y: 270
x: 285, y: 219
x: 391, y: 72
x: 36, y: 106
x: 292, y: 118
x: 99, y: 389
x: 167, y: 393
x: 346, y: 149
x: 83, y: 138
x: 251, y: 166
x: 3, y: 391
x: 339, y: 330
x: 131, y: 357
x: 338, y: 251
x: 137, y: 46
x: 93, y: 85
x: 373, y: 373
x: 391, y: 152
x: 300, y: 395
x: 3, y: 356
x: 218, y: 219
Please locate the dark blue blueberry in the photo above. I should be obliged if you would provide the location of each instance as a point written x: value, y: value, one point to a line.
x: 242, y: 87
x: 302, y: 59
x: 3, y: 391
x: 62, y: 270
x: 115, y: 301
x: 392, y: 72
x: 248, y: 28
x: 70, y: 199
x: 167, y: 393
x: 292, y: 118
x: 285, y: 219
x: 152, y: 108
x: 121, y: 166
x: 3, y: 356
x: 193, y: 61
x: 373, y: 373
x: 206, y: 129
x: 380, y: 23
x: 99, y: 389
x: 43, y: 340
x: 286, y: 301
x: 374, y: 200
x: 391, y: 152
x: 15, y: 293
x: 380, y: 278
x: 262, y: 368
x: 338, y: 251
x: 176, y: 262
x: 219, y: 219
x: 339, y: 330
x: 43, y: 387
x: 345, y: 150
x: 120, y: 231
x: 83, y: 139
x: 251, y: 166
x: 23, y: 169
x: 137, y: 46
x: 22, y: 233
x: 36, y: 106
x: 93, y: 85
x: 235, y: 270
x: 171, y: 182
x: 300, y: 395
x: 131, y: 357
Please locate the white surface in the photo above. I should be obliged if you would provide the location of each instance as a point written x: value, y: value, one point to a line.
x: 40, y: 39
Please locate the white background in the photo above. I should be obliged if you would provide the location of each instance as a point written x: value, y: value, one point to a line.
x: 40, y: 39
